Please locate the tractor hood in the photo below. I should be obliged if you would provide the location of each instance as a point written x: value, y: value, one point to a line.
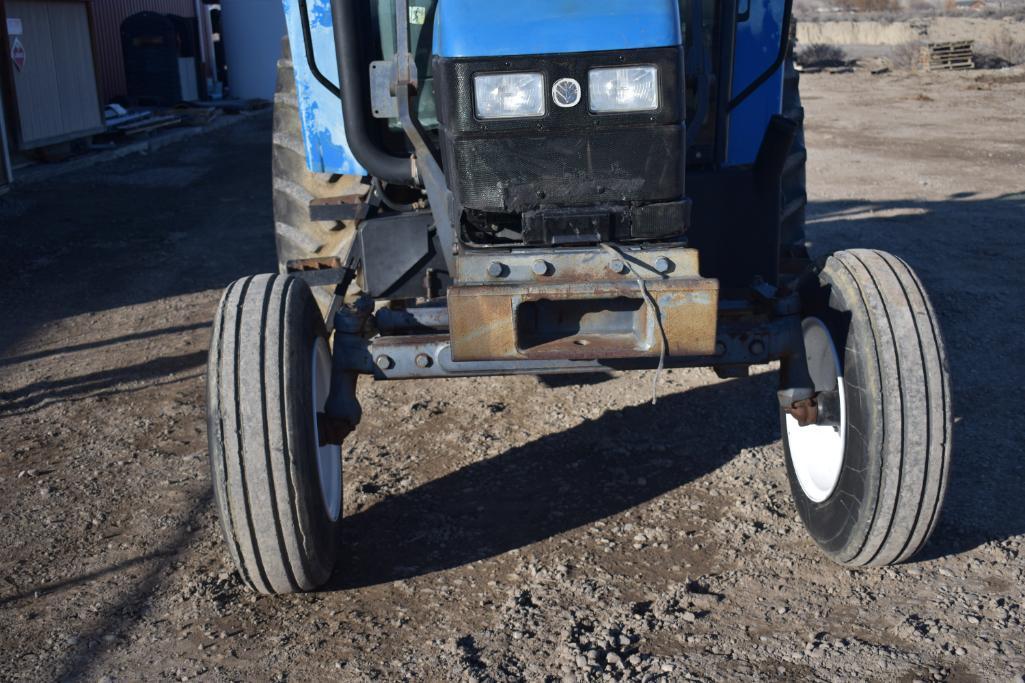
x: 472, y: 28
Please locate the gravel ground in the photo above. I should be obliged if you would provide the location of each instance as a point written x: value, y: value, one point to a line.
x: 501, y: 529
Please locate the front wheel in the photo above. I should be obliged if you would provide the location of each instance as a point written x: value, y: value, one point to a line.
x: 278, y: 489
x: 868, y: 478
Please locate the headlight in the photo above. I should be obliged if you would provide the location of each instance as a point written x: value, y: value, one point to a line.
x: 631, y: 88
x: 507, y: 96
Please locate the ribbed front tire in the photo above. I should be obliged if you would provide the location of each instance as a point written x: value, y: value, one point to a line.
x: 898, y: 421
x: 278, y: 492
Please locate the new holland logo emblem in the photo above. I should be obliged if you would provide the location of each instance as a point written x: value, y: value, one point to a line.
x: 566, y: 92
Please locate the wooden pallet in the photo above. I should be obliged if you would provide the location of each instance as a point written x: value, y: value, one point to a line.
x: 149, y: 125
x: 947, y: 56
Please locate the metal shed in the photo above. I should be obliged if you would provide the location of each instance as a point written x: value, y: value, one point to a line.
x: 50, y: 67
x: 107, y: 16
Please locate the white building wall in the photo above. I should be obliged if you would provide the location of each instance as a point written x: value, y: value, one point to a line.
x: 252, y: 32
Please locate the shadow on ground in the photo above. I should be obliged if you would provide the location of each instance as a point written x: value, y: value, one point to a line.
x: 113, y: 237
x: 128, y: 607
x: 557, y: 483
x: 974, y: 275
x: 970, y: 254
x: 137, y: 230
x: 53, y: 391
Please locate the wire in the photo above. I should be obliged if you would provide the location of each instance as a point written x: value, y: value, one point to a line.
x: 394, y: 206
x: 655, y: 313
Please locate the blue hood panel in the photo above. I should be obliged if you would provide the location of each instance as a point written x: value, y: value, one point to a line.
x: 489, y: 28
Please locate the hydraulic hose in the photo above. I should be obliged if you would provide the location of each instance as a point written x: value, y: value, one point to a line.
x: 351, y: 73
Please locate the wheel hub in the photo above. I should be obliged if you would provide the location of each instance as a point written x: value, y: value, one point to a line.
x: 817, y: 428
x: 329, y: 457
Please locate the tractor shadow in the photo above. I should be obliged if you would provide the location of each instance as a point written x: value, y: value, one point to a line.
x: 557, y: 483
x: 970, y: 254
x: 137, y: 230
x: 971, y: 258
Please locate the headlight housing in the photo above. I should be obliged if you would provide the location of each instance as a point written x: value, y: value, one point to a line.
x: 509, y: 95
x: 623, y: 89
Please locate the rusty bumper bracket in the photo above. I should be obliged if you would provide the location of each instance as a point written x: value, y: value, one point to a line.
x: 581, y: 304
x: 425, y: 356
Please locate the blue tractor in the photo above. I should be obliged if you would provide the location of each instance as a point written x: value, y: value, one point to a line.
x: 467, y: 188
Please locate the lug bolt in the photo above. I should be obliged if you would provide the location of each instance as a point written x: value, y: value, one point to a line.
x: 385, y: 362
x: 423, y: 360
x: 495, y: 269
x: 663, y: 265
x: 757, y: 347
x: 540, y: 267
x: 617, y: 266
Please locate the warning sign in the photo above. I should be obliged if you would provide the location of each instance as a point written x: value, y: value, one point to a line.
x: 18, y: 54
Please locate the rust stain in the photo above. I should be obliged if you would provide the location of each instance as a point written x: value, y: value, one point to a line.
x: 484, y: 320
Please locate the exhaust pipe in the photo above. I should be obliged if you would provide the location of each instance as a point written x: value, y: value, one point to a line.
x: 352, y: 72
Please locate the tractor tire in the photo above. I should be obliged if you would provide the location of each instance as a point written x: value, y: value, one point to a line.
x: 795, y: 193
x: 869, y: 489
x: 277, y: 490
x: 295, y: 186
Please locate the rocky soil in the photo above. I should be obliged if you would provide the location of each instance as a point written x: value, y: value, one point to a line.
x: 501, y: 529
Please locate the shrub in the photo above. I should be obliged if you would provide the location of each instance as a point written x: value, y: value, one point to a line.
x: 1005, y: 47
x: 869, y: 5
x: 821, y: 55
x: 906, y: 55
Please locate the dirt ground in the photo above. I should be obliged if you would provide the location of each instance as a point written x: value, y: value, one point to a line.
x: 501, y: 529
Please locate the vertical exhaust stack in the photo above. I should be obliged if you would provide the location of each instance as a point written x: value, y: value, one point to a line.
x: 352, y: 76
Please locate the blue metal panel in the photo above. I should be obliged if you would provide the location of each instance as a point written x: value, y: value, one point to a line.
x: 327, y: 150
x: 757, y: 46
x: 486, y: 28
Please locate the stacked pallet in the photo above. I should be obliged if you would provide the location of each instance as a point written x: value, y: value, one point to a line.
x: 946, y: 56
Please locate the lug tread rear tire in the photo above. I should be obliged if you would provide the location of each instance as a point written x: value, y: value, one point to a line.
x: 794, y: 180
x: 296, y: 235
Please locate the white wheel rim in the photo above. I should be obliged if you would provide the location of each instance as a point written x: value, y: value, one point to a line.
x: 329, y: 458
x: 817, y: 451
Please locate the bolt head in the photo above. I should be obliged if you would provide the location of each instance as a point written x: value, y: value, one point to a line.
x: 385, y: 362
x: 495, y: 269
x: 663, y: 265
x: 720, y: 348
x: 757, y: 347
x: 423, y: 360
x: 617, y: 266
x: 540, y: 267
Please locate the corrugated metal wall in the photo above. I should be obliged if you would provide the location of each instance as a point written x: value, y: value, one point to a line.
x: 55, y: 93
x: 107, y: 16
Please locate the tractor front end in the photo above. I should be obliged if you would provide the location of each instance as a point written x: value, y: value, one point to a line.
x: 467, y: 189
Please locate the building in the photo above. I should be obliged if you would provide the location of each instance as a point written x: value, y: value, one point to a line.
x: 63, y: 61
x: 253, y: 31
x: 5, y: 157
x: 106, y: 17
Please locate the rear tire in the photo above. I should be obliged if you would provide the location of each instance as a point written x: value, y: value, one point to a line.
x: 278, y: 492
x: 794, y: 181
x: 885, y: 498
x: 295, y: 186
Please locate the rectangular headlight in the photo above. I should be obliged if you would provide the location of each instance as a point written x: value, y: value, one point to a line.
x: 509, y: 96
x: 623, y: 89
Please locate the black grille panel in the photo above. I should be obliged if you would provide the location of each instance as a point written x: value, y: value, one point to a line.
x: 516, y: 174
x: 570, y: 157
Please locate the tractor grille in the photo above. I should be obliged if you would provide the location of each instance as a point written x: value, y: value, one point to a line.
x: 517, y: 174
x: 570, y: 157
